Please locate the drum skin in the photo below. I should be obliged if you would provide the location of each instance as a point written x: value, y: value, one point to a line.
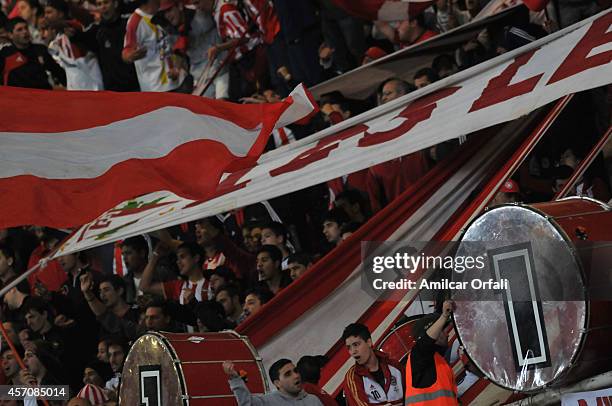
x: 572, y: 337
x: 399, y: 342
x: 188, y: 369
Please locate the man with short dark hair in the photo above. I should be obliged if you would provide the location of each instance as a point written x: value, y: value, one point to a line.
x: 285, y: 377
x: 157, y: 316
x: 192, y: 285
x: 275, y: 233
x: 424, y: 77
x: 117, y: 351
x: 111, y: 309
x: 255, y: 299
x: 354, y: 204
x: 229, y: 298
x: 10, y: 367
x: 135, y: 253
x: 7, y: 264
x: 332, y: 222
x: 298, y: 264
x: 271, y: 275
x: 309, y: 368
x: 374, y: 379
x: 24, y: 64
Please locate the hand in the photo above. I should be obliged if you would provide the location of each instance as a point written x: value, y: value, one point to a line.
x: 27, y: 378
x: 448, y: 307
x: 135, y: 54
x: 63, y: 321
x: 212, y: 53
x: 188, y: 295
x: 325, y: 52
x: 41, y: 290
x: 86, y: 283
x: 161, y: 249
x: 229, y: 369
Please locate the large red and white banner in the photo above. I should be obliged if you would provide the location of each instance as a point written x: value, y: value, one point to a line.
x: 505, y: 88
x: 69, y: 156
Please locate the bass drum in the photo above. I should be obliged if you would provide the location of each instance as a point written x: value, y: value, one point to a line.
x: 186, y: 369
x: 543, y: 328
x: 399, y: 342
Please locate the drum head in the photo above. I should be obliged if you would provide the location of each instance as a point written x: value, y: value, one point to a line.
x: 149, y: 367
x: 527, y: 343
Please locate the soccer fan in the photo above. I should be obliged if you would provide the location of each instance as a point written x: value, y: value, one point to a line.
x: 428, y: 375
x: 229, y: 298
x: 148, y: 46
x: 374, y: 379
x: 192, y: 285
x: 309, y: 368
x: 255, y: 299
x: 333, y: 220
x: 298, y: 264
x: 275, y: 233
x: 25, y: 64
x: 271, y: 275
x: 284, y: 376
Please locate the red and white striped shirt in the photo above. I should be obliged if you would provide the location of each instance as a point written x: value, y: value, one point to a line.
x: 232, y: 25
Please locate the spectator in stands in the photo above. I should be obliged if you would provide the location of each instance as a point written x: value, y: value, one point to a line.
x: 219, y: 277
x: 117, y: 351
x: 354, y: 204
x: 589, y: 185
x: 25, y: 64
x: 335, y: 109
x: 285, y: 377
x: 229, y: 297
x: 10, y: 367
x: 427, y: 372
x: 148, y: 46
x: 255, y: 299
x: 7, y: 263
x: 135, y: 253
x: 111, y: 309
x: 56, y: 11
x: 444, y: 65
x: 191, y: 286
x: 344, y: 33
x: 509, y: 192
x: 394, y: 88
x: 424, y: 77
x: 372, y: 54
x: 271, y: 275
x: 38, y: 319
x: 97, y: 373
x: 332, y: 222
x: 196, y: 33
x: 105, y: 38
x: 298, y: 264
x: 15, y: 300
x: 374, y: 379
x: 407, y: 32
x: 211, y: 317
x: 157, y: 316
x: 42, y: 367
x: 275, y: 233
x: 102, y: 353
x: 31, y: 12
x: 11, y: 329
x: 348, y: 229
x: 309, y: 368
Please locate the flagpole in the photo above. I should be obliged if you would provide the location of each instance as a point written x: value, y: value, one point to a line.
x: 21, y: 277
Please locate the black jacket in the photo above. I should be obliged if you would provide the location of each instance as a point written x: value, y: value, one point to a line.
x: 28, y: 67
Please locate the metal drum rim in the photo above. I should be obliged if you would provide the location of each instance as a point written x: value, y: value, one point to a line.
x: 571, y: 246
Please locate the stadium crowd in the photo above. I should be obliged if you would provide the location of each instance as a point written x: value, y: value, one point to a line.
x: 73, y: 320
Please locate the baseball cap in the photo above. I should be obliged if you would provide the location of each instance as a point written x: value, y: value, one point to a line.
x: 510, y: 186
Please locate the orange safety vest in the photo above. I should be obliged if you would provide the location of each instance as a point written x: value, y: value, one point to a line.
x: 442, y: 393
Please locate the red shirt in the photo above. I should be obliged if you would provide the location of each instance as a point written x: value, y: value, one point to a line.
x: 52, y: 276
x: 388, y: 180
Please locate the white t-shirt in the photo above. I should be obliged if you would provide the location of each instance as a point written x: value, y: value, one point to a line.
x: 82, y: 69
x: 152, y: 70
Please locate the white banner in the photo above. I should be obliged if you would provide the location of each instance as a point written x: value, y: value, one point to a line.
x: 594, y: 398
x: 505, y: 88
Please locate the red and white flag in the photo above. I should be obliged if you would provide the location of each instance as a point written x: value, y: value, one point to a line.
x: 383, y: 10
x: 69, y: 156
